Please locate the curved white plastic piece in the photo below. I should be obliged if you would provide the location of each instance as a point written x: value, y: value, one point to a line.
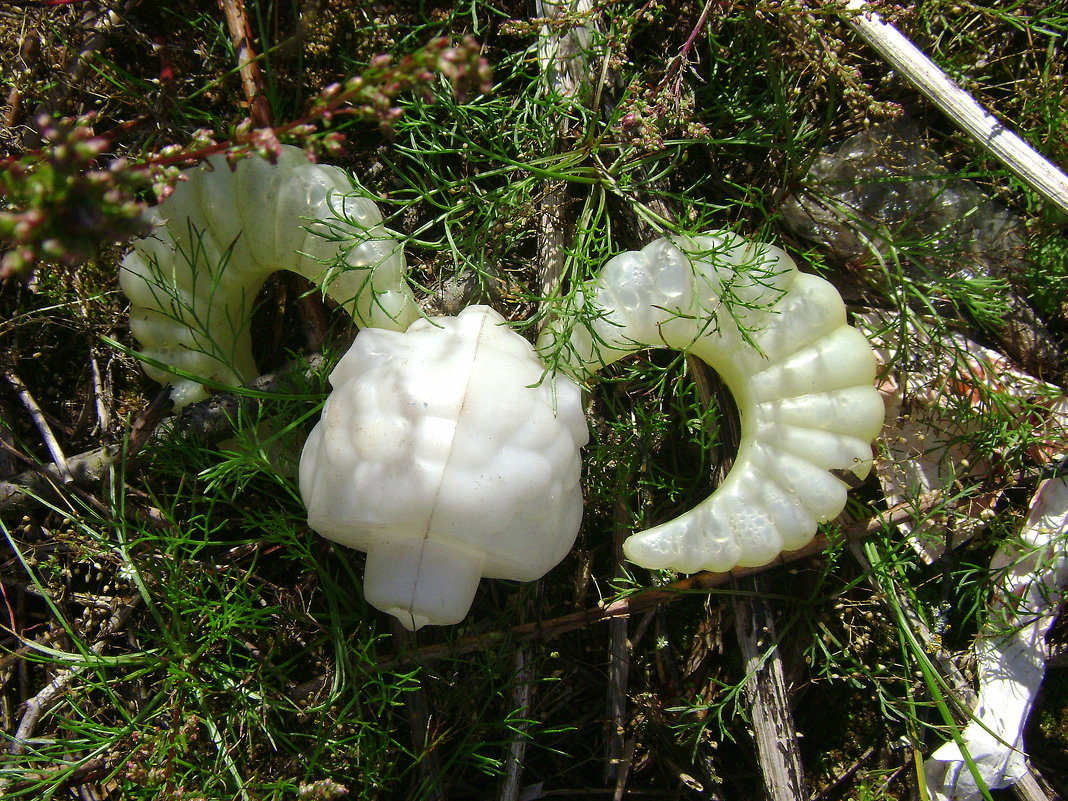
x: 1010, y: 654
x: 447, y: 454
x: 800, y: 375
x: 193, y: 282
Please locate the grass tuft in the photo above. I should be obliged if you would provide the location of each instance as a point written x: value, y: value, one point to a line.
x: 171, y: 629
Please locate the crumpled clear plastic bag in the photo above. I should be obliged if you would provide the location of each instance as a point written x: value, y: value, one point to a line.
x: 882, y: 195
x: 883, y: 187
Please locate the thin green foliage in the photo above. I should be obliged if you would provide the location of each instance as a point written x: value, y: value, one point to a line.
x: 206, y: 644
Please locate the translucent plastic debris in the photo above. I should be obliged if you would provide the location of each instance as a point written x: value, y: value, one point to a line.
x: 883, y: 197
x: 801, y: 377
x: 883, y: 186
x: 1011, y: 653
x: 939, y: 398
x: 192, y: 283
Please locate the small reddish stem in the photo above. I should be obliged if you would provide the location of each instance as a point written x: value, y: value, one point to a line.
x: 252, y: 83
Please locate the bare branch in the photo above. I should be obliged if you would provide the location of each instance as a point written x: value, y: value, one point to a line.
x: 982, y: 126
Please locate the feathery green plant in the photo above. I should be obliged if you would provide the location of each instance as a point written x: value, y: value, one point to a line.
x: 203, y: 643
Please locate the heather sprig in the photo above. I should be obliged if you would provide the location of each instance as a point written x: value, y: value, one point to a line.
x: 62, y: 203
x: 373, y: 94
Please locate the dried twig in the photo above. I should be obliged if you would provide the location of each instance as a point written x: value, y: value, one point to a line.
x: 419, y: 720
x: 100, y: 391
x: 638, y: 602
x: 618, y: 661
x: 517, y: 748
x: 29, y: 46
x: 210, y: 421
x: 625, y: 762
x: 564, y: 64
x: 39, y: 420
x: 103, y: 416
x: 33, y: 708
x: 771, y: 718
x: 259, y: 111
x: 958, y: 105
x: 841, y: 777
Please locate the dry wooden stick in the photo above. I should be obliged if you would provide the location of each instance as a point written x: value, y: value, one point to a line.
x: 259, y: 111
x: 840, y: 779
x: 309, y: 304
x: 769, y: 706
x: 29, y: 46
x: 618, y: 660
x: 210, y: 421
x: 517, y: 748
x: 419, y: 721
x: 103, y: 416
x: 33, y: 708
x: 625, y: 763
x: 99, y: 390
x: 633, y: 604
x: 985, y: 129
x: 39, y: 420
x: 564, y: 65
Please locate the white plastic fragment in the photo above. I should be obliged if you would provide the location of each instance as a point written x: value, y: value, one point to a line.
x: 937, y: 402
x: 193, y: 282
x: 1011, y: 654
x: 801, y: 377
x: 447, y: 454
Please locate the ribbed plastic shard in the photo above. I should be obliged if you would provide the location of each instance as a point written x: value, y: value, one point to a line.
x: 801, y: 377
x: 193, y: 282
